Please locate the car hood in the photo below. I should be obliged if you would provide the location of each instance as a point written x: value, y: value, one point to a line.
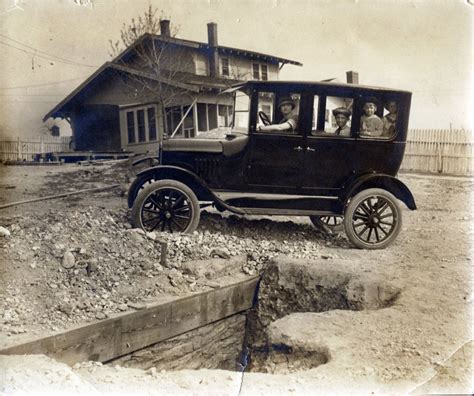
x: 232, y: 144
x: 194, y: 144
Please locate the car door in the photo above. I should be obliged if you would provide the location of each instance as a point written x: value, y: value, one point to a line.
x: 276, y: 158
x: 328, y: 156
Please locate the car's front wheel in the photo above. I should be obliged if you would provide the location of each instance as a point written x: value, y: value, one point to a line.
x: 166, y: 205
x: 373, y: 219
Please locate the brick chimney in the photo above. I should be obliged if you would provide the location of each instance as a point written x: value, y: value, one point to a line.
x: 213, y: 55
x: 212, y: 34
x: 165, y: 27
x: 352, y: 77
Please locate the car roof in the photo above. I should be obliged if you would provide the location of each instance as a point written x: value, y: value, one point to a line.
x: 321, y: 84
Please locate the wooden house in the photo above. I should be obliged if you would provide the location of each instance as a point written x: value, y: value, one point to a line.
x: 120, y: 107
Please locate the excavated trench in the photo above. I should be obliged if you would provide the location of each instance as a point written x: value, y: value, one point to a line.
x: 240, y: 342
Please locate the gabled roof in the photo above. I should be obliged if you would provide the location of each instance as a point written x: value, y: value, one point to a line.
x: 192, y: 82
x: 108, y: 66
x: 205, y: 46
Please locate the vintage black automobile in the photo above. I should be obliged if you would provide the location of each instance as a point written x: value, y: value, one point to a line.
x: 336, y: 171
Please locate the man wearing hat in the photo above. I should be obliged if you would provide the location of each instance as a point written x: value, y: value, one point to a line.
x: 289, y: 122
x: 342, y: 118
x: 370, y: 123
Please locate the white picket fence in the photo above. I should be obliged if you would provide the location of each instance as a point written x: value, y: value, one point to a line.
x: 447, y: 151
x: 25, y: 149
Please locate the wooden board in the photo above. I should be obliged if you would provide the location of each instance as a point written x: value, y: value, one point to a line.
x: 126, y: 333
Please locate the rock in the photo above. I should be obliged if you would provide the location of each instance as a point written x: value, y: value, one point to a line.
x: 122, y: 307
x: 151, y: 235
x: 69, y: 261
x: 66, y: 308
x: 146, y: 265
x: 137, y: 306
x: 220, y: 252
x: 213, y: 268
x: 104, y: 241
x: 4, y: 232
x: 91, y: 266
x: 100, y: 315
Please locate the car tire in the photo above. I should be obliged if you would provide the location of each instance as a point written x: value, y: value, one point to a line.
x: 373, y: 219
x: 166, y: 205
x: 330, y: 223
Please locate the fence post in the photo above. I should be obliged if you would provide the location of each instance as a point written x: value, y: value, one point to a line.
x: 439, y: 157
x: 42, y: 144
x: 19, y: 149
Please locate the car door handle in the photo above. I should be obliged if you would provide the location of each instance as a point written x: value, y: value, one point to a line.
x: 298, y: 148
x: 310, y: 149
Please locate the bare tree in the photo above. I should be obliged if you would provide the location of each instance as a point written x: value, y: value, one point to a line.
x: 153, y: 67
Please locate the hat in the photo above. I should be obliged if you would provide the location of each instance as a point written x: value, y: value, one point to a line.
x: 342, y: 110
x: 371, y: 99
x: 287, y: 100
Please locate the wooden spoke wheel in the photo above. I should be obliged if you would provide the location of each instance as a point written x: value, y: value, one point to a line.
x: 333, y: 223
x: 373, y: 219
x: 166, y: 205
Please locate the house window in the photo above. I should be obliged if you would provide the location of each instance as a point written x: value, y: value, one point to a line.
x: 141, y: 125
x: 174, y: 116
x: 256, y: 71
x: 151, y: 123
x: 212, y: 116
x: 225, y: 115
x: 131, y: 127
x: 259, y: 71
x: 202, y: 117
x: 225, y: 66
x: 264, y: 72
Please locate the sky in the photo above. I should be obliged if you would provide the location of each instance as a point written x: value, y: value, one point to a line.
x: 50, y: 46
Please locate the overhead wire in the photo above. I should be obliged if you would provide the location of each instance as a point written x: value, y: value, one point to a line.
x: 50, y: 58
x: 43, y: 52
x: 44, y: 84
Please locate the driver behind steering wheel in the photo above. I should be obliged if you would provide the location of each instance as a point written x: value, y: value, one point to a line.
x: 289, y: 121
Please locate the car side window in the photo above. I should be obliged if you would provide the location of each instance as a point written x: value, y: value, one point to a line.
x: 337, y: 116
x: 278, y: 113
x: 389, y: 120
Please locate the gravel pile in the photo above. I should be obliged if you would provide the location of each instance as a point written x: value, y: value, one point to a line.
x: 67, y: 267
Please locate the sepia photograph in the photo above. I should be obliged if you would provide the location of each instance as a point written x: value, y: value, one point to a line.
x: 247, y: 197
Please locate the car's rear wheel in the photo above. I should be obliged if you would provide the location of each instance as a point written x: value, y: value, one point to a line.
x: 331, y: 223
x: 166, y: 205
x: 373, y: 219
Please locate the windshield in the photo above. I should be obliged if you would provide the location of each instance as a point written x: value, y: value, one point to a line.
x: 241, y: 111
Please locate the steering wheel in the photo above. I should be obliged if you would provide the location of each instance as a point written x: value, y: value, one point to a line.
x: 264, y: 118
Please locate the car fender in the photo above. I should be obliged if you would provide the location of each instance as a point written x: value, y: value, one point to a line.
x: 377, y: 180
x: 161, y: 172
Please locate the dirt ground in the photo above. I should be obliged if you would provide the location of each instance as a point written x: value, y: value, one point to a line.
x: 406, y: 346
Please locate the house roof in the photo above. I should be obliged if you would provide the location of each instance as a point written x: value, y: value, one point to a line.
x: 220, y: 48
x: 112, y: 66
x: 189, y: 81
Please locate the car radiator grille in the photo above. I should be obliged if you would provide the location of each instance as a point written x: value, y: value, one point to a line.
x: 207, y: 168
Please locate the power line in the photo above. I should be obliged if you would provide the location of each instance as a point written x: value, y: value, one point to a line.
x: 49, y: 58
x: 21, y: 95
x: 45, y: 53
x: 43, y: 84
